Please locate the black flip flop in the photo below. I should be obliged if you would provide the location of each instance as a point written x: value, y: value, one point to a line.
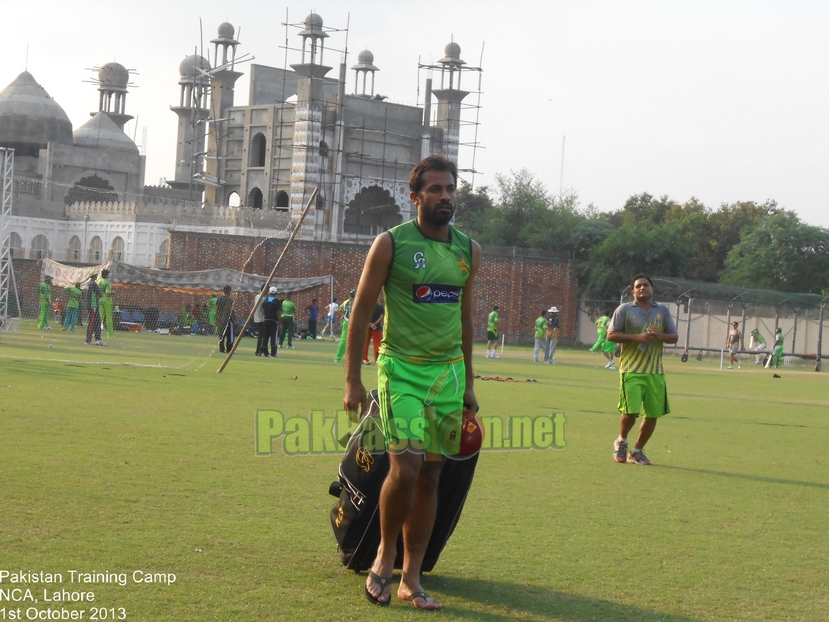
x: 383, y: 582
x: 423, y: 596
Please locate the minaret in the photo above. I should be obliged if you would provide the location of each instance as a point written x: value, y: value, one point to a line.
x: 113, y: 79
x: 223, y: 78
x: 449, y: 98
x: 191, y: 111
x: 364, y: 66
x: 305, y: 168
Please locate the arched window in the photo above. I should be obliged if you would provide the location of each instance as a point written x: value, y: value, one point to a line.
x: 96, y: 250
x: 161, y: 258
x: 282, y: 200
x: 255, y: 199
x: 93, y: 189
x: 372, y: 211
x: 118, y: 248
x: 234, y: 200
x: 258, y: 147
x: 15, y: 245
x: 40, y: 247
x: 74, y: 253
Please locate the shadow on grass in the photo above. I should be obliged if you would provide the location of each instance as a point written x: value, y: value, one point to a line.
x: 532, y: 602
x: 751, y: 478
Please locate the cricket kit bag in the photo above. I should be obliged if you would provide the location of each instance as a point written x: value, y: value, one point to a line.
x: 355, y: 518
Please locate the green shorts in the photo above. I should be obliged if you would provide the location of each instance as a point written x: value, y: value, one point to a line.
x: 643, y: 392
x: 421, y: 406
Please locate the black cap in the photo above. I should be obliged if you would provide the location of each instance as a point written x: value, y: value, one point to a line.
x: 353, y: 291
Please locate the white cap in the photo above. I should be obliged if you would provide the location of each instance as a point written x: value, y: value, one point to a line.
x: 272, y: 290
x: 552, y: 310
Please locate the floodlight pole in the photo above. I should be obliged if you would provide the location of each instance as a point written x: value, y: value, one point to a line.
x: 268, y: 282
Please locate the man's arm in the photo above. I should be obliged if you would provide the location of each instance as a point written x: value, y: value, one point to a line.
x: 375, y: 272
x: 468, y: 328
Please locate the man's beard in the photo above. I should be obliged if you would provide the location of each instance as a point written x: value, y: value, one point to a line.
x: 439, y: 219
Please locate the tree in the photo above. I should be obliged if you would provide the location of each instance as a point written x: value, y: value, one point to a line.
x: 474, y: 211
x: 521, y: 216
x: 628, y: 250
x: 780, y: 253
x: 643, y: 209
x: 728, y: 223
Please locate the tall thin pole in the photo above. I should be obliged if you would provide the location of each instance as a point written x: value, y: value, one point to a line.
x: 268, y: 282
x: 561, y: 175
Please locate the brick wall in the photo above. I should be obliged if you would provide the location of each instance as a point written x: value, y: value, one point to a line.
x: 521, y: 284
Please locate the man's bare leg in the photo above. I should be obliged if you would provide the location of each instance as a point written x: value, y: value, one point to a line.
x: 417, y: 530
x: 396, y: 501
x: 626, y: 423
x: 646, y: 429
x: 645, y: 432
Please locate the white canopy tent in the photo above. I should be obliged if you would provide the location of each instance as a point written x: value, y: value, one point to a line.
x: 189, y: 281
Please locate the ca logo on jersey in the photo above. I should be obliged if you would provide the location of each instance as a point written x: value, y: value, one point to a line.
x: 419, y: 261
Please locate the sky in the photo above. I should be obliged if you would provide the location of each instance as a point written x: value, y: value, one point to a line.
x: 721, y: 100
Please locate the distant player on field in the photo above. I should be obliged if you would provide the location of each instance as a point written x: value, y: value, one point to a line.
x: 492, y: 334
x: 602, y: 343
x: 642, y: 327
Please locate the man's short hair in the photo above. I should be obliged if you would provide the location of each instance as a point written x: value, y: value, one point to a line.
x: 640, y: 276
x: 105, y: 273
x: 432, y: 163
x: 226, y: 289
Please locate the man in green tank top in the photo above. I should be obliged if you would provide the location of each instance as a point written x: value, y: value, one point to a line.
x: 426, y: 269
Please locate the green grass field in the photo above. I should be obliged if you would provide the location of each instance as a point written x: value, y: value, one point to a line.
x: 140, y: 457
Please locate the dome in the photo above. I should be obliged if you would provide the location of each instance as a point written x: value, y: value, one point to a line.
x: 29, y: 118
x: 313, y: 27
x: 188, y: 69
x: 365, y: 62
x: 226, y: 30
x: 100, y: 132
x: 452, y: 54
x: 113, y: 76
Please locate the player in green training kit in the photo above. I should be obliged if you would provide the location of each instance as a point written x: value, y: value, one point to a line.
x: 642, y: 327
x: 607, y: 347
x: 492, y: 334
x: 776, y: 355
x: 426, y: 269
x: 540, y: 334
x: 44, y: 293
x: 345, y: 310
x: 105, y: 303
x: 73, y: 307
x: 288, y: 321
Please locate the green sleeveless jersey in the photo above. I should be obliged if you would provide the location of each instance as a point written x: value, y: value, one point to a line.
x: 423, y: 294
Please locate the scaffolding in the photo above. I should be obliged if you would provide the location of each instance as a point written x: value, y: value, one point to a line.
x: 9, y: 300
